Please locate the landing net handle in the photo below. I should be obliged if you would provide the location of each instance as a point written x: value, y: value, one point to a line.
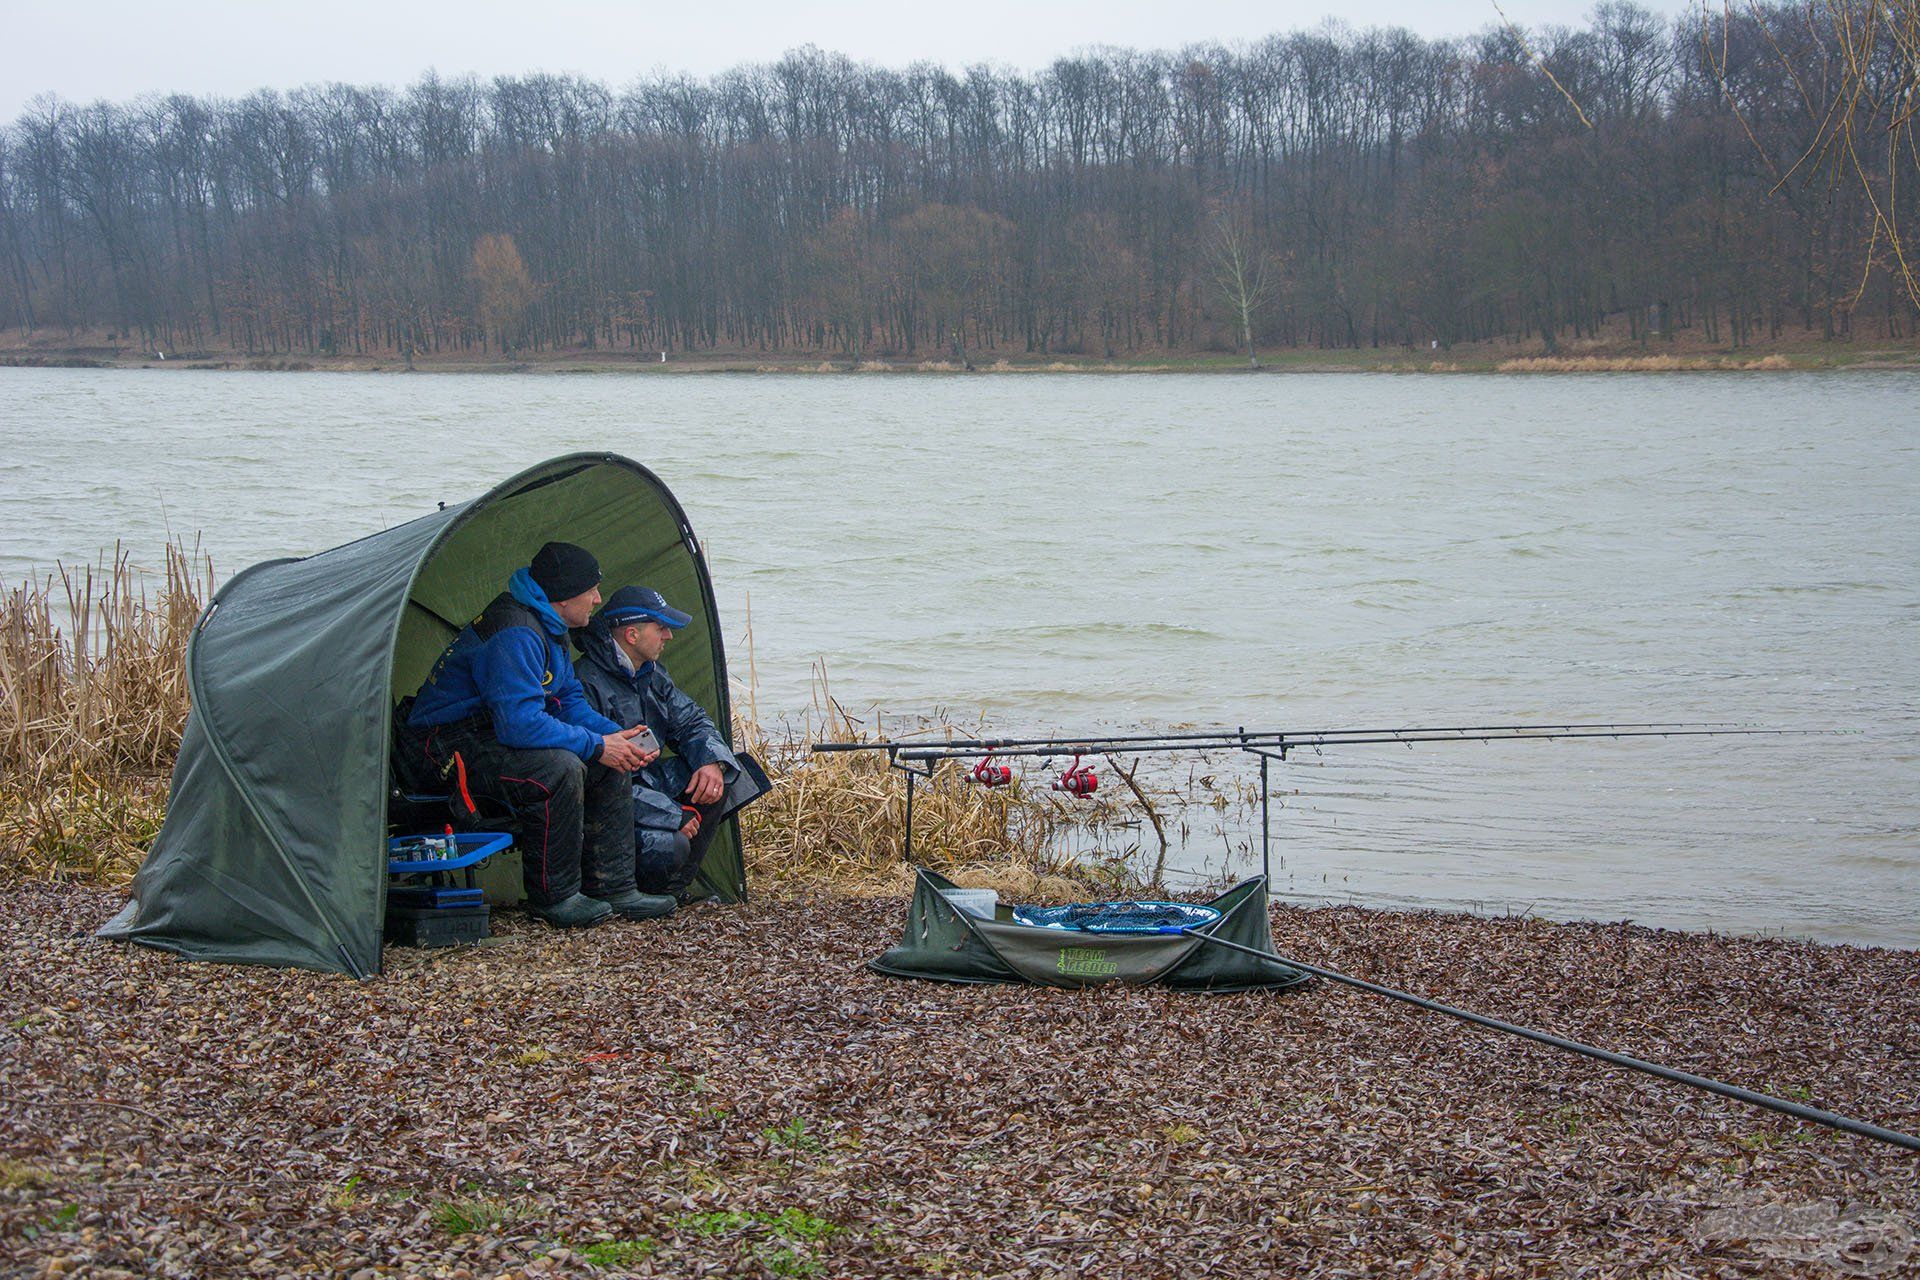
x: 1800, y: 1111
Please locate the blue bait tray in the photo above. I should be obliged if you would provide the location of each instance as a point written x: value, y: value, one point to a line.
x: 475, y: 847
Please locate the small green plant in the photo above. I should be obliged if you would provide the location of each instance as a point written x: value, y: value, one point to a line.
x: 792, y: 1135
x: 1179, y: 1134
x: 531, y: 1057
x: 1799, y: 1093
x: 783, y: 1259
x: 682, y: 1082
x: 1570, y: 1119
x: 61, y: 1219
x: 474, y: 1212
x: 347, y: 1194
x: 718, y: 1222
x: 798, y: 1224
x: 620, y: 1253
x: 1758, y: 1141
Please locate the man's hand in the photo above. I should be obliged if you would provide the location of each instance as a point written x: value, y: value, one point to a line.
x: 706, y: 784
x: 618, y: 752
x: 692, y: 826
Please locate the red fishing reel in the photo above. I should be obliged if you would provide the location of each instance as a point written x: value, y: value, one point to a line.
x: 1078, y: 780
x: 989, y: 774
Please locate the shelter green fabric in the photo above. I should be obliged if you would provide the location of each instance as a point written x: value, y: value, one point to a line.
x: 274, y: 848
x: 948, y: 945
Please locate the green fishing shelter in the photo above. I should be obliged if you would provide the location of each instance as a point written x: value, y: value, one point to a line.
x: 947, y: 944
x: 274, y: 849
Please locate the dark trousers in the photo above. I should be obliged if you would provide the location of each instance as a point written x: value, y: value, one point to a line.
x: 572, y: 821
x: 663, y: 860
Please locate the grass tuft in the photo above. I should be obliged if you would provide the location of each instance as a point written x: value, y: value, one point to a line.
x: 18, y: 1175
x: 473, y: 1212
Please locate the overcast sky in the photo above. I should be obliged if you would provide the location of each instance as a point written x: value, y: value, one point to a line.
x: 115, y: 49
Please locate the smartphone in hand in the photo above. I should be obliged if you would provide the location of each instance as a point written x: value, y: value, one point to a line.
x: 646, y: 741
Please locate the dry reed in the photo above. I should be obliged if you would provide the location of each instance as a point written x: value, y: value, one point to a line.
x: 93, y: 696
x: 1637, y: 364
x: 841, y: 818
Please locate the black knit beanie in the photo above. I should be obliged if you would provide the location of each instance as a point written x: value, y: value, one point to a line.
x: 563, y: 570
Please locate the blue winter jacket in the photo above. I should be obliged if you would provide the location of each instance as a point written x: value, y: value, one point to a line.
x: 512, y: 663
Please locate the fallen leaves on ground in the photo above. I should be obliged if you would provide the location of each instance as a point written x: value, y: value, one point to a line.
x: 729, y: 1092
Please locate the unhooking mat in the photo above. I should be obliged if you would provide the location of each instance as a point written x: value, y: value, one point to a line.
x: 948, y: 945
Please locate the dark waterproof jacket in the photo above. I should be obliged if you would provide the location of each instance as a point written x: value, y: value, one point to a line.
x: 508, y: 664
x: 648, y: 696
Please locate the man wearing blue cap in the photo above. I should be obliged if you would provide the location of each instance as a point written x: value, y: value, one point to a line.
x: 505, y: 698
x: 619, y: 668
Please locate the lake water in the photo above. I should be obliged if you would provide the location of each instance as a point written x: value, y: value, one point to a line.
x: 1074, y: 553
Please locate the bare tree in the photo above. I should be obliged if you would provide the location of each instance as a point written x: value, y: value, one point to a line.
x: 1860, y: 93
x: 1244, y: 276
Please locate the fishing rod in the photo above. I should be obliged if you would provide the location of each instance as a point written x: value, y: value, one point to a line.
x: 1224, y: 737
x: 918, y: 759
x: 1799, y: 1111
x: 1340, y: 737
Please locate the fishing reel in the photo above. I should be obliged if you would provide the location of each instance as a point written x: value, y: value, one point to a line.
x: 1078, y: 780
x: 989, y: 774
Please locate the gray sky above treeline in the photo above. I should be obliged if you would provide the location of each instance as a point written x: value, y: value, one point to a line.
x: 116, y: 49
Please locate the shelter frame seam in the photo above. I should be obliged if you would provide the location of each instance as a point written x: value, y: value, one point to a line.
x: 233, y: 774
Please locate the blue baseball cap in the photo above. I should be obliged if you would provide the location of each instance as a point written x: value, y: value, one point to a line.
x: 631, y: 604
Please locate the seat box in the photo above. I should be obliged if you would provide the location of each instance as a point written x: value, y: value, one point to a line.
x: 414, y: 926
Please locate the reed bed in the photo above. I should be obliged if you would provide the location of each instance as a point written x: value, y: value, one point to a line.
x: 93, y: 696
x: 1636, y: 364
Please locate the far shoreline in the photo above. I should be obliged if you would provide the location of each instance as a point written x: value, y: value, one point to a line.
x: 1503, y: 357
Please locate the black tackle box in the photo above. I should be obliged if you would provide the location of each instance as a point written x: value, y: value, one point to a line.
x: 435, y: 916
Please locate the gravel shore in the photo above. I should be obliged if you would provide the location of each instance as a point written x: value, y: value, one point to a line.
x: 730, y: 1093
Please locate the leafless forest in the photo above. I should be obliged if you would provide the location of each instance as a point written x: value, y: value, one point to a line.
x: 1730, y: 175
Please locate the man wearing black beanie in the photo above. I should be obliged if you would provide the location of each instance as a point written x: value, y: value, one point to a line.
x: 505, y: 697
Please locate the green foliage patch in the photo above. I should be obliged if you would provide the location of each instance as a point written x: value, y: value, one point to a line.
x: 793, y: 1236
x: 620, y: 1253
x: 792, y: 1135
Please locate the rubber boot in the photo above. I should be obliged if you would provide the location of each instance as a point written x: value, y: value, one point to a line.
x: 635, y: 905
x: 575, y: 912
